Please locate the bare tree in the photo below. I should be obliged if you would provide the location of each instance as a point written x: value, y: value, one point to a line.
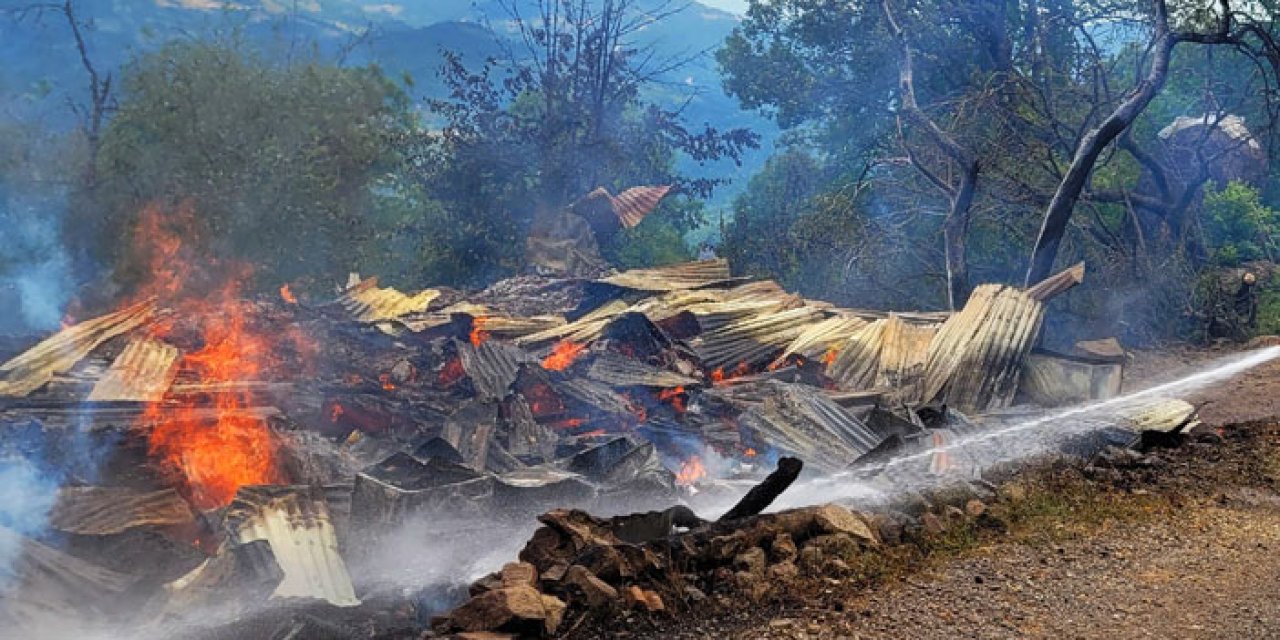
x: 92, y: 116
x: 960, y: 193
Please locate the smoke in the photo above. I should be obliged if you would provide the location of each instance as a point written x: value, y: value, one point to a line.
x: 35, y: 269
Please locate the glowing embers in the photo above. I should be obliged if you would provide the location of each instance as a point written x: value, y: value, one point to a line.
x: 286, y: 294
x: 563, y: 354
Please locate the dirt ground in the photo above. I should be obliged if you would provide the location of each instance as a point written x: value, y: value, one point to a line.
x: 1187, y: 546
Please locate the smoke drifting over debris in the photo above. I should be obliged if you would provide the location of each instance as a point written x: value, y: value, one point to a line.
x: 35, y: 270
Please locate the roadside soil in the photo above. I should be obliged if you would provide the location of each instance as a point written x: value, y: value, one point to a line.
x: 1184, y: 543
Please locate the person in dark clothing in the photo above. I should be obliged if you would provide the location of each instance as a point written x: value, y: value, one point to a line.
x: 1246, y: 304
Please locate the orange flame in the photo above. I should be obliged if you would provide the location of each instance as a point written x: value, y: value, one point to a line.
x: 563, y: 355
x: 335, y: 412
x: 829, y: 356
x: 478, y: 336
x: 750, y: 453
x: 675, y: 397
x: 211, y: 454
x: 385, y: 381
x: 738, y: 371
x: 691, y: 471
x: 287, y: 294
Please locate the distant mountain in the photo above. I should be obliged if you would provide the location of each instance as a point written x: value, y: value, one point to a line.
x: 40, y: 69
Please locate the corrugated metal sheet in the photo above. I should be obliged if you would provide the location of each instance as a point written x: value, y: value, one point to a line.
x: 142, y: 372
x: 858, y: 363
x: 1165, y: 415
x: 368, y: 302
x: 755, y: 339
x: 60, y: 352
x: 108, y: 510
x: 491, y: 366
x: 617, y: 370
x: 295, y: 521
x: 976, y: 358
x: 584, y: 329
x: 904, y: 349
x: 817, y: 339
x: 688, y: 275
x: 47, y: 584
x: 635, y: 203
x: 801, y: 420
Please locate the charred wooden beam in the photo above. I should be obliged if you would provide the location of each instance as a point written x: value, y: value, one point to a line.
x: 762, y: 495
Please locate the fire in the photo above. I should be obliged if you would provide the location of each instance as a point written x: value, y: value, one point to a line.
x: 215, y: 456
x: 335, y: 412
x: 563, y: 355
x: 478, y: 335
x: 287, y: 294
x: 829, y: 356
x: 385, y: 380
x: 676, y: 397
x: 738, y: 371
x: 568, y: 423
x: 691, y: 471
x: 210, y: 453
x: 750, y: 453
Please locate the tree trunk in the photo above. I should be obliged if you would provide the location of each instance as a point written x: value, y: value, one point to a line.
x: 1091, y: 146
x: 954, y: 232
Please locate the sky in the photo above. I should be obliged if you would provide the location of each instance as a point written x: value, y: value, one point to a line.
x: 736, y: 6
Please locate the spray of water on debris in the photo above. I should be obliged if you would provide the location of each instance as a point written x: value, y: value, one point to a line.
x: 1020, y: 438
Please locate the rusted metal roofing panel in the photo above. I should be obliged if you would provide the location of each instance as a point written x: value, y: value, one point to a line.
x: 635, y: 203
x: 754, y: 339
x: 108, y: 510
x: 688, y: 275
x: 60, y: 352
x: 370, y: 303
x: 142, y: 372
x: 977, y: 356
x: 295, y: 521
x: 617, y: 370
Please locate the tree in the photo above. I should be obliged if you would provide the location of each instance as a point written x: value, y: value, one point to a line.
x: 279, y: 163
x: 559, y: 117
x: 1229, y: 27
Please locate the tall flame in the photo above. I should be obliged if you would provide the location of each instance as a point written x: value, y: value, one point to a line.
x: 211, y: 451
x: 691, y: 471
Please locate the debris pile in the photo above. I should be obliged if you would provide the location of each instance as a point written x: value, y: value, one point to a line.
x: 220, y: 456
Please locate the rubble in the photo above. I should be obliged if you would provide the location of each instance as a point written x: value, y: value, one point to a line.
x: 539, y: 397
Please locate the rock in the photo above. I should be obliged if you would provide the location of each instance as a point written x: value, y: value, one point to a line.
x: 650, y: 601
x: 888, y: 527
x: 520, y: 609
x: 783, y: 548
x: 752, y: 584
x: 554, y: 573
x: 784, y: 572
x: 597, y: 592
x: 403, y: 372
x: 752, y: 560
x: 954, y: 516
x: 515, y: 574
x: 484, y: 635
x: 932, y: 523
x: 555, y: 612
x: 975, y: 508
x: 694, y: 594
x: 606, y: 562
x: 835, y: 519
x: 811, y: 558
